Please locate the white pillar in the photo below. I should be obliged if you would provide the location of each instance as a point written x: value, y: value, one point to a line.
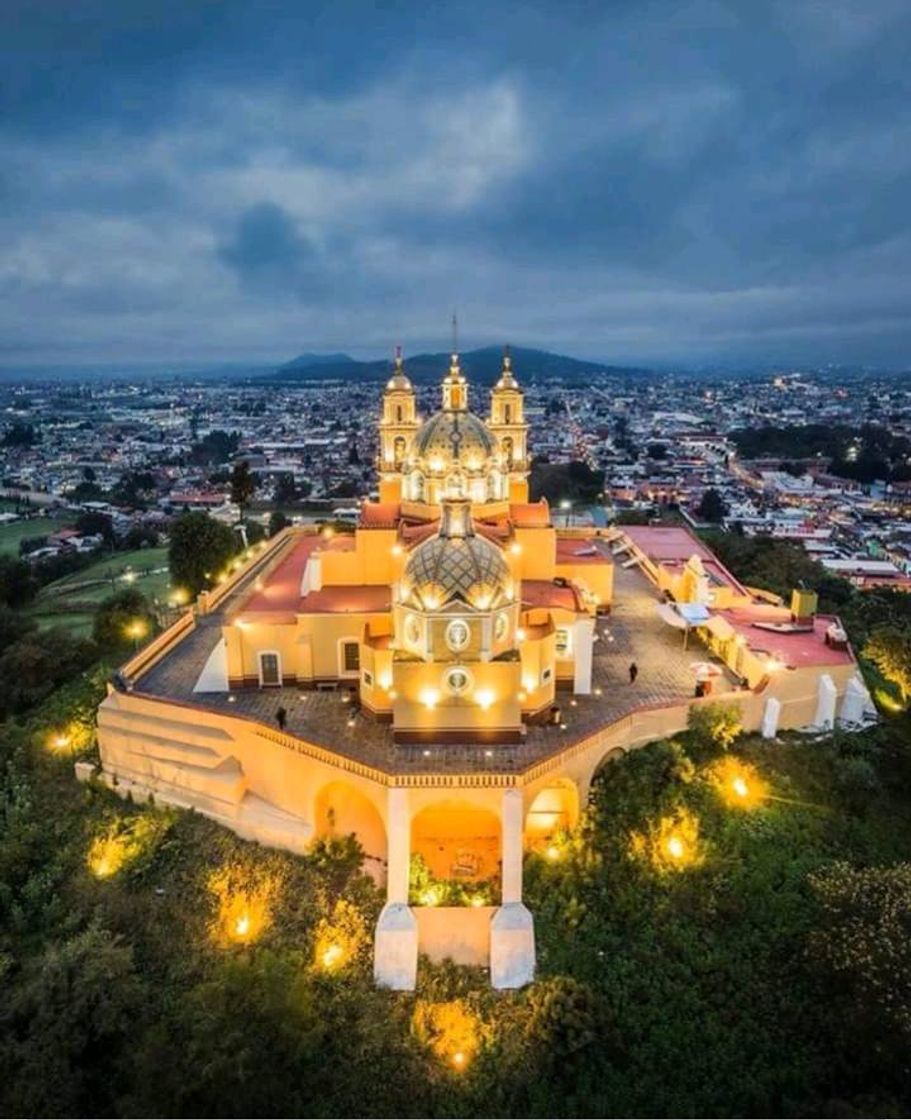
x: 770, y: 715
x: 825, y: 704
x: 512, y: 930
x: 395, y: 949
x: 583, y: 632
x: 511, y: 824
x: 856, y: 701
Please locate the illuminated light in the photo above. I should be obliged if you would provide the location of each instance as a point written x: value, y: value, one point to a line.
x: 136, y: 629
x: 352, y: 722
x: 328, y: 532
x: 232, y: 699
x: 396, y: 550
x: 574, y: 703
x: 242, y: 927
x: 515, y: 548
x: 429, y: 697
x: 259, y: 584
x: 676, y: 848
x: 332, y: 956
x: 478, y: 901
x: 566, y: 504
x: 436, y: 464
x: 432, y: 896
x: 739, y: 784
x: 129, y: 577
x: 553, y: 853
x: 484, y: 698
x: 597, y: 691
x: 563, y: 726
x: 520, y: 635
x: 459, y: 1059
x: 392, y: 694
x: 386, y: 683
x: 106, y: 856
x: 59, y: 742
x: 241, y: 624
x: 522, y: 697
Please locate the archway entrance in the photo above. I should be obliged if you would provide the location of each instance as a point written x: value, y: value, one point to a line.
x: 457, y: 840
x: 341, y: 810
x: 554, y: 809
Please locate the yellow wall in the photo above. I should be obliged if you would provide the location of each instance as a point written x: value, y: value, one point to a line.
x: 416, y: 683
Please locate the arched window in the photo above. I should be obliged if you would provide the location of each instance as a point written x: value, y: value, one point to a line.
x: 399, y: 449
x: 399, y: 414
x: 507, y: 413
x: 507, y: 449
x: 417, y: 487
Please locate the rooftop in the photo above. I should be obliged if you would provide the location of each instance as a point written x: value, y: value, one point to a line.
x: 633, y: 632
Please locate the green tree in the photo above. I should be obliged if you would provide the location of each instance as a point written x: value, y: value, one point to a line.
x: 889, y: 648
x: 200, y: 549
x: 717, y: 724
x: 17, y: 584
x: 243, y: 485
x: 711, y: 507
x: 277, y: 522
x: 123, y: 618
x: 71, y: 1024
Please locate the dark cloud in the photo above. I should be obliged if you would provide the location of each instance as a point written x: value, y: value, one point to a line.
x: 624, y: 180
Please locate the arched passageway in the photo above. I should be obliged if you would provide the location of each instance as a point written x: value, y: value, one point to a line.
x: 457, y: 840
x: 555, y: 808
x: 342, y: 809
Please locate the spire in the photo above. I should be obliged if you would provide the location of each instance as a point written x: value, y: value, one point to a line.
x: 399, y: 380
x: 455, y: 387
x: 507, y: 377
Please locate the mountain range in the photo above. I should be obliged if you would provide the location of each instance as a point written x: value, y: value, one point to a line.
x: 481, y: 366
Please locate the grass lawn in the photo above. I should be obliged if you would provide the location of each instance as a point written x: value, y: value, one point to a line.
x: 16, y: 531
x: 70, y: 602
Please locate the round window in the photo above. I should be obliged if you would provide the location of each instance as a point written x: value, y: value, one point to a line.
x: 501, y: 626
x: 412, y: 630
x: 457, y: 634
x: 458, y: 680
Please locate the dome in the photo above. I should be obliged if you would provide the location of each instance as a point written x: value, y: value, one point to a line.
x: 456, y: 565
x: 454, y: 436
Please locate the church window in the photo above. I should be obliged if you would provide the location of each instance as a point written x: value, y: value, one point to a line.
x: 368, y: 678
x: 457, y: 635
x: 412, y: 630
x: 507, y: 413
x: 398, y: 414
x: 417, y: 487
x: 501, y: 626
x: 562, y: 643
x: 507, y: 448
x: 399, y: 449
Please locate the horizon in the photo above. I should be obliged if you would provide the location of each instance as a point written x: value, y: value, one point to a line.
x: 698, y: 186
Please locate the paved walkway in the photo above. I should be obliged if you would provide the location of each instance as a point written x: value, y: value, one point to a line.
x: 632, y: 632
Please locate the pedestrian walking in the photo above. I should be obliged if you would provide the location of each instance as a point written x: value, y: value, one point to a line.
x: 633, y: 672
x: 281, y: 718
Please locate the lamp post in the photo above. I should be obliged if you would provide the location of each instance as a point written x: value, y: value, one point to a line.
x: 567, y: 506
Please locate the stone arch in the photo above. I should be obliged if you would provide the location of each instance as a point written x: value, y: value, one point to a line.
x: 457, y: 839
x: 555, y: 807
x: 341, y: 809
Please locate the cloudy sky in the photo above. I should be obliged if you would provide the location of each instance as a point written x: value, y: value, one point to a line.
x: 628, y: 181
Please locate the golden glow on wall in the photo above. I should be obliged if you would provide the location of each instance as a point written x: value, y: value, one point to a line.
x: 451, y: 1030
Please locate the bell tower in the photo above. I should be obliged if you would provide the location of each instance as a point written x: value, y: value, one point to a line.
x: 507, y: 423
x: 455, y: 388
x: 397, y: 426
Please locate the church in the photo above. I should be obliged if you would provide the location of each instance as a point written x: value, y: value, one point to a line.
x: 445, y: 682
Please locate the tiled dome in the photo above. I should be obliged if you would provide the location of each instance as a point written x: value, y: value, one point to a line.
x: 454, y: 566
x: 454, y: 436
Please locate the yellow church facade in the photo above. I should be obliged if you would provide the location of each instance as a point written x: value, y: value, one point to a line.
x: 445, y: 681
